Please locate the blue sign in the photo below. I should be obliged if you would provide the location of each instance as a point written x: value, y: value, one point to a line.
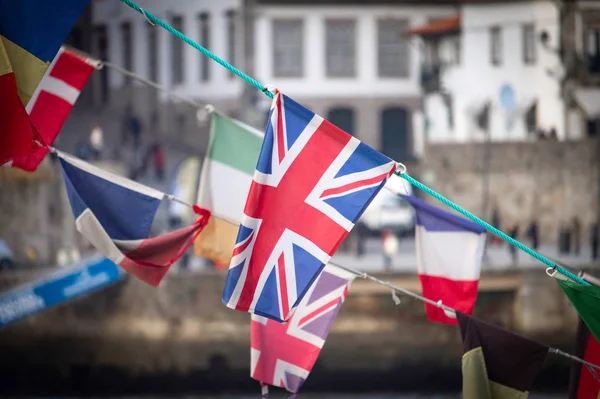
x: 87, y: 276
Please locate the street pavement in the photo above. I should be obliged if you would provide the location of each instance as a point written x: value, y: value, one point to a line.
x: 497, y: 257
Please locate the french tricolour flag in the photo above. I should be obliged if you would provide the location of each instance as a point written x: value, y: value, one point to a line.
x: 449, y: 253
x: 116, y: 214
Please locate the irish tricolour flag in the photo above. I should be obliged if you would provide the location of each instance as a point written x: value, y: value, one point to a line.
x: 226, y: 176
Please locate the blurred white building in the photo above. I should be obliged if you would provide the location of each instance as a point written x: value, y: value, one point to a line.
x: 125, y: 38
x: 494, y: 68
x: 351, y: 62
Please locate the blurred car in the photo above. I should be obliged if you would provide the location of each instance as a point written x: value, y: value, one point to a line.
x: 390, y: 211
x: 7, y: 257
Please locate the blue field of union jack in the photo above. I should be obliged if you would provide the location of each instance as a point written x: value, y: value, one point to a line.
x: 312, y: 182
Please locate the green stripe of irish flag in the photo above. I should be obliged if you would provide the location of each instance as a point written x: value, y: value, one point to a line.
x: 229, y: 166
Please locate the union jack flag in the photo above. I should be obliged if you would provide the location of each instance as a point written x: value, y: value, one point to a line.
x: 312, y: 182
x: 282, y: 354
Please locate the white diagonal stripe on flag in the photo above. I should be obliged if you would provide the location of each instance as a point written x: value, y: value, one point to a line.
x: 59, y: 88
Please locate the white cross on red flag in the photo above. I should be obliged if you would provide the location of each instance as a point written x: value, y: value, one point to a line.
x: 53, y: 100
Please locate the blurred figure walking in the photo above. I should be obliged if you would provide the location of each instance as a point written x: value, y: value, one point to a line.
x: 97, y: 141
x: 513, y: 233
x: 390, y: 247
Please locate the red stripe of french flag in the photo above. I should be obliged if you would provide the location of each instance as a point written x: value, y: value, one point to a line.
x: 449, y: 254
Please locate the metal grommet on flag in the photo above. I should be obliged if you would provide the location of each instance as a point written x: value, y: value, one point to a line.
x: 400, y: 168
x: 269, y: 88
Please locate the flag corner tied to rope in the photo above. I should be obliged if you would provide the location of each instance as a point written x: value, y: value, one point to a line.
x: 283, y: 354
x: 116, y: 214
x: 584, y: 382
x: 312, y: 182
x: 31, y: 33
x: 226, y: 177
x: 586, y: 300
x: 497, y: 364
x: 449, y: 253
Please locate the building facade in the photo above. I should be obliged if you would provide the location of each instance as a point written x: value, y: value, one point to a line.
x: 494, y: 71
x: 581, y: 52
x: 351, y: 63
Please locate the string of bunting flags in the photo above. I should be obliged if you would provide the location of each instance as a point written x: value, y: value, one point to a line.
x: 297, y: 192
x: 282, y: 354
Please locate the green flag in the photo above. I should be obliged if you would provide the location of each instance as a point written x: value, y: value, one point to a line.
x: 586, y: 299
x: 226, y: 177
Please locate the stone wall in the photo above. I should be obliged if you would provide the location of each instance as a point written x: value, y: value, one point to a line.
x: 29, y: 210
x: 133, y: 332
x: 550, y: 181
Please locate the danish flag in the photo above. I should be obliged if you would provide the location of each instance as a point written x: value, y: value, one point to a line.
x: 312, y: 182
x: 283, y: 354
x: 53, y: 100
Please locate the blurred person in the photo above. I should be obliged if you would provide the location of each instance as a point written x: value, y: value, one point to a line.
x: 513, y: 233
x: 594, y: 240
x: 576, y: 233
x: 533, y: 234
x: 390, y: 246
x: 158, y: 158
x: 361, y: 237
x: 132, y: 127
x: 97, y: 141
x: 83, y: 151
x: 494, y: 239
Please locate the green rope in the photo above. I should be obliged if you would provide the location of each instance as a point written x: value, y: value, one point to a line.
x: 155, y: 20
x: 494, y: 230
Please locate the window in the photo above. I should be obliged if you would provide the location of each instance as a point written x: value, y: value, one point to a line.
x: 393, y: 48
x: 288, y: 48
x: 102, y: 50
x: 127, y: 49
x: 231, y: 42
x: 177, y: 52
x: 394, y: 134
x: 342, y: 118
x: 204, y: 42
x: 496, y: 46
x: 529, y: 54
x: 153, y: 53
x: 340, y: 48
x: 593, y: 49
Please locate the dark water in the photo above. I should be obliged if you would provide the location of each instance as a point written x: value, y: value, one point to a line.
x: 280, y: 395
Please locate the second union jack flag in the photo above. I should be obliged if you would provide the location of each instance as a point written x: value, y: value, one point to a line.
x: 312, y: 182
x: 283, y: 354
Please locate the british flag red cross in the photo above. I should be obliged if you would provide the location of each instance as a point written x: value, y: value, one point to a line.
x: 312, y: 182
x: 284, y: 354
